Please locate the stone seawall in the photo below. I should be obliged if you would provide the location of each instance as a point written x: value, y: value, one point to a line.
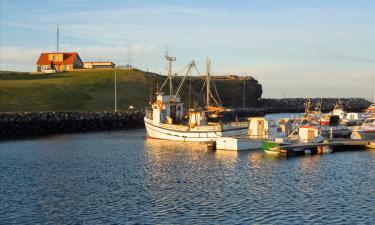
x: 24, y: 124
x: 290, y: 105
x: 13, y: 125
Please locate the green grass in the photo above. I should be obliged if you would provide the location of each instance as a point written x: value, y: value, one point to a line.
x: 91, y: 90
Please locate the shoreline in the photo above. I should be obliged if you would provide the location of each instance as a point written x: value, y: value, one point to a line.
x: 35, y: 124
x: 19, y: 125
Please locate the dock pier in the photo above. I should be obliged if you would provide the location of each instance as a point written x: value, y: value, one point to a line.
x: 333, y: 145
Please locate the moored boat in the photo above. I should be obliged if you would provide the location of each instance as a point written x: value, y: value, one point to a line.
x: 168, y: 119
x: 366, y: 131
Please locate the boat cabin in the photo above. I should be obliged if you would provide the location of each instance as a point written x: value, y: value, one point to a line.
x: 258, y: 127
x: 167, y: 109
x: 307, y: 133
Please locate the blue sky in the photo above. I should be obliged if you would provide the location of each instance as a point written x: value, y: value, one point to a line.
x: 297, y: 48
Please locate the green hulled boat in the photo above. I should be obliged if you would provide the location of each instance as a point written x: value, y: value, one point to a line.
x: 271, y: 147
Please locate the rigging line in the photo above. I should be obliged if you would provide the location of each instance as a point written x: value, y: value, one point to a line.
x: 182, y: 68
x: 189, y: 90
x: 162, y: 86
x: 217, y: 93
x: 166, y: 80
x: 214, y: 99
x: 196, y: 68
x: 200, y: 94
x: 184, y: 78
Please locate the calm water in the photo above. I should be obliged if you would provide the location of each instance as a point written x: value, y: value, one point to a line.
x: 121, y: 177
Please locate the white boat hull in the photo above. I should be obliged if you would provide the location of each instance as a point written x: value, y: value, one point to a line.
x: 159, y: 132
x: 237, y: 144
x: 362, y: 134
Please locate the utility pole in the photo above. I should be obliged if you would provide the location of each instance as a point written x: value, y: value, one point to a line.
x: 115, y: 90
x: 130, y: 57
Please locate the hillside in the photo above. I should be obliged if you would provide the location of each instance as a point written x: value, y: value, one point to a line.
x: 93, y: 90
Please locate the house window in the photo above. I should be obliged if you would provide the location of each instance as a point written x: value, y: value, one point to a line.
x: 55, y: 57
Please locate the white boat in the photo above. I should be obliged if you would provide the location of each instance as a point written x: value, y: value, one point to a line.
x: 168, y: 119
x: 365, y: 131
x: 238, y: 144
x: 338, y: 110
x: 259, y: 129
x: 369, y: 112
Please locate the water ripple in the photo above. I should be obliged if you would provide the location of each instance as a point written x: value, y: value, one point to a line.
x: 120, y: 177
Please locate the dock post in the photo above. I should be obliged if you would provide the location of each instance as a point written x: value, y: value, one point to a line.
x: 211, y: 146
x: 331, y: 132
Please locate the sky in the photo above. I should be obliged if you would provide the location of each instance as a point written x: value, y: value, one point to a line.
x: 294, y: 48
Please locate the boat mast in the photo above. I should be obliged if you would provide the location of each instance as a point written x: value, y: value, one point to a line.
x: 208, y: 81
x: 170, y: 59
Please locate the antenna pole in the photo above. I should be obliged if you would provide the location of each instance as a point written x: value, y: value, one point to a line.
x: 208, y: 82
x: 130, y: 57
x: 170, y: 77
x: 170, y: 59
x: 57, y: 38
x: 115, y: 90
x: 244, y: 94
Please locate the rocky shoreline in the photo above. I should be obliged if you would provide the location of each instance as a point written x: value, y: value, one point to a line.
x: 26, y: 124
x: 290, y: 105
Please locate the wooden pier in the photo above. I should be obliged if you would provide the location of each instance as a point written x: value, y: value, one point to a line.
x: 334, y: 145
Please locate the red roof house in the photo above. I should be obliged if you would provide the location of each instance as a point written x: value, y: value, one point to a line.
x: 59, y: 61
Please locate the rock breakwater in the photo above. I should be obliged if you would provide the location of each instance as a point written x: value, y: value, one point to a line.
x: 42, y: 123
x: 290, y: 105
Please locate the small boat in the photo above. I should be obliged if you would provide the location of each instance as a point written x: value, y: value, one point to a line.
x: 238, y: 144
x: 271, y: 147
x: 330, y: 127
x: 259, y: 129
x: 338, y: 110
x: 366, y: 131
x: 369, y: 112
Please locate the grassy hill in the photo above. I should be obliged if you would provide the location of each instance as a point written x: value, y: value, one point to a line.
x: 93, y: 90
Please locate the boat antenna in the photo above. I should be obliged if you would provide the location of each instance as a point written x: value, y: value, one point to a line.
x: 170, y: 59
x: 208, y: 82
x: 244, y: 94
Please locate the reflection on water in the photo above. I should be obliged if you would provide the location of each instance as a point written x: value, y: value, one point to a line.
x: 228, y: 158
x: 122, y: 177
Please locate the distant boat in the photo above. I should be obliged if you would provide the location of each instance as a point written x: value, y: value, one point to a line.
x: 365, y: 131
x: 168, y: 119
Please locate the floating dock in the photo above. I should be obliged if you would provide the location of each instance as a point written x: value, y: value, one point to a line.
x: 327, y: 146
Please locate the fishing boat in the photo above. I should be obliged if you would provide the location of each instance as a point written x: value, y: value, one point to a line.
x: 366, y: 131
x: 169, y: 119
x: 338, y: 110
x: 369, y: 112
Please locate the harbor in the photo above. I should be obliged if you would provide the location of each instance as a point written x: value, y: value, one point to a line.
x: 187, y: 112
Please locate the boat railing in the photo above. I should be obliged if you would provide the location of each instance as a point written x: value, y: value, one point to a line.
x: 236, y: 124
